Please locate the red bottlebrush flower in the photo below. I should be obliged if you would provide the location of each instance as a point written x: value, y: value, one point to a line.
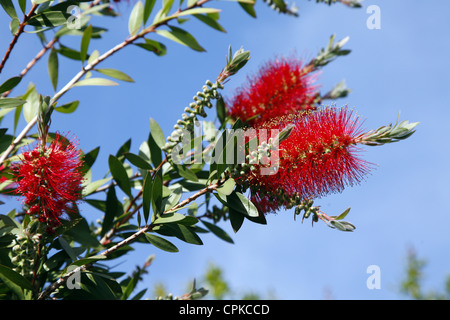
x: 50, y: 178
x: 280, y: 88
x: 319, y: 157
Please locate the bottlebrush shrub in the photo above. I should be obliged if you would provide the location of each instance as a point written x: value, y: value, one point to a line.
x: 51, y: 250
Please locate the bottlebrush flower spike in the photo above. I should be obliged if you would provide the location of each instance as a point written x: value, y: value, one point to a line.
x: 319, y: 157
x: 49, y: 178
x: 280, y: 88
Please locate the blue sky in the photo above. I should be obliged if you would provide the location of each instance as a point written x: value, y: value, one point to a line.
x: 403, y: 67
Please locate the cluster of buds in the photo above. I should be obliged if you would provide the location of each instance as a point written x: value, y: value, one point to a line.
x: 203, y: 100
x: 188, y: 119
x: 24, y: 253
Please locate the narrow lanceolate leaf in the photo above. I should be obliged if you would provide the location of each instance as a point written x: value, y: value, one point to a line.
x: 138, y: 161
x: 157, y: 195
x: 136, y: 18
x: 15, y: 277
x: 196, y: 11
x: 148, y: 7
x: 248, y: 7
x: 242, y: 204
x: 219, y: 232
x: 181, y: 36
x: 172, y: 217
x: 11, y: 102
x: 49, y: 19
x: 95, y: 82
x: 14, y: 25
x: 119, y: 75
x: 9, y: 8
x: 84, y: 261
x: 210, y: 21
x: 161, y: 243
x: 147, y: 195
x: 68, y: 107
x: 91, y: 187
x: 85, y: 40
x: 9, y: 84
x: 23, y: 5
x: 120, y: 175
x: 112, y: 209
x: 227, y: 188
x: 53, y: 67
x: 342, y: 215
x: 157, y: 133
x: 154, y: 46
x: 161, y: 15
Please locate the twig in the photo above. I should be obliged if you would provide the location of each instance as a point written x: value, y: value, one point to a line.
x: 17, y: 35
x: 47, y: 47
x: 110, y: 233
x: 89, y: 67
x: 126, y: 241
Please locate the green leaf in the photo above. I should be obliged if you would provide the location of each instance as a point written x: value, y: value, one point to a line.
x: 91, y: 187
x: 119, y: 174
x: 94, y: 56
x: 53, y: 67
x: 182, y: 232
x: 157, y: 133
x: 242, y: 204
x: 15, y: 277
x: 181, y: 36
x: 147, y: 195
x: 84, y: 261
x: 161, y: 243
x: 166, y: 6
x: 342, y: 225
x: 248, y: 7
x: 30, y: 108
x: 11, y: 102
x: 10, y: 84
x: 9, y: 8
x: 39, y: 1
x: 49, y: 19
x: 219, y: 232
x: 342, y: 215
x: 14, y: 26
x: 173, y: 199
x: 95, y: 82
x: 124, y: 148
x: 119, y: 75
x: 89, y: 158
x: 173, y: 217
x: 69, y: 52
x: 157, y: 195
x: 68, y: 107
x: 236, y: 219
x: 23, y: 5
x: 67, y: 248
x: 208, y: 20
x: 136, y: 18
x: 196, y: 11
x: 85, y: 40
x: 186, y: 173
x: 138, y: 161
x: 112, y: 210
x: 227, y: 188
x: 154, y: 46
x: 148, y: 7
